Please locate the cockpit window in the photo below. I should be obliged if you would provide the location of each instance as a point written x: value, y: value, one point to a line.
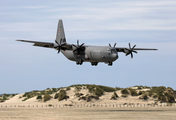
x: 113, y: 50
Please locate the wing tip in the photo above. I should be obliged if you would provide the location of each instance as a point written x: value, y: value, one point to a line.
x: 19, y: 40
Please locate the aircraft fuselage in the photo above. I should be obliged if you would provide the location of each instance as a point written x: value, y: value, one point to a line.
x: 84, y: 53
x: 93, y: 54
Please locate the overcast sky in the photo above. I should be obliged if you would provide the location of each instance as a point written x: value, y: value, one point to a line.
x: 148, y: 24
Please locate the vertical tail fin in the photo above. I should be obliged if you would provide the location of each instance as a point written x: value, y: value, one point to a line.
x: 60, y: 35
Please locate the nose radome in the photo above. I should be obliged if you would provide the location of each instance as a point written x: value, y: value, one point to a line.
x: 115, y: 56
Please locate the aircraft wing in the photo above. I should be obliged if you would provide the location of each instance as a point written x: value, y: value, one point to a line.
x: 46, y: 44
x: 39, y: 44
x: 123, y: 49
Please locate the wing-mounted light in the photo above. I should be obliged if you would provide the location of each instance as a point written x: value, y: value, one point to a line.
x: 59, y: 46
x: 78, y: 48
x: 130, y: 50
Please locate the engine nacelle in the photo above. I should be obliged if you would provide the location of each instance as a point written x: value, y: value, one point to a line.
x: 126, y: 51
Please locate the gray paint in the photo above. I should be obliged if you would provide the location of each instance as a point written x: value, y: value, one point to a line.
x: 84, y: 53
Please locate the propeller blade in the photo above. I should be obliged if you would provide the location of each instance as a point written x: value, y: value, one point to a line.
x: 81, y: 44
x: 109, y: 45
x: 130, y: 50
x: 135, y: 52
x: 78, y: 47
x: 133, y: 47
x: 75, y: 46
x: 58, y: 51
x: 115, y: 45
x: 78, y: 42
x: 129, y: 46
x: 128, y: 53
x: 56, y: 42
x: 131, y: 55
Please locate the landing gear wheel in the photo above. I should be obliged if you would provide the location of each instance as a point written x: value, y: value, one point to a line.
x: 79, y: 62
x: 110, y: 64
x: 94, y: 63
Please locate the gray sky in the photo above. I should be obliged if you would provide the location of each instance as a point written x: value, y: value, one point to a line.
x: 148, y: 24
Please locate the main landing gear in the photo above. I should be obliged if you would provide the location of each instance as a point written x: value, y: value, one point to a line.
x: 110, y: 64
x: 94, y: 63
x: 79, y: 62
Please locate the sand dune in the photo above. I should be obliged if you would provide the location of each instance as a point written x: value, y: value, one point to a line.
x: 103, y: 99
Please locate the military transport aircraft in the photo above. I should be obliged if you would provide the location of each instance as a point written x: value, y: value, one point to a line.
x: 84, y: 53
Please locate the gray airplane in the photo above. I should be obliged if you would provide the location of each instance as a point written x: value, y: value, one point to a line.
x: 84, y: 53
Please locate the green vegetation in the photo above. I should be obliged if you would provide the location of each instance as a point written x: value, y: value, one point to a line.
x: 118, y: 88
x: 24, y: 99
x: 169, y: 98
x: 124, y: 91
x: 62, y: 95
x: 150, y: 93
x: 29, y: 95
x: 160, y: 94
x: 4, y: 98
x: 114, y: 96
x: 163, y: 94
x: 13, y: 95
x: 139, y: 87
x: 46, y: 97
x: 161, y: 97
x: 78, y: 88
x: 133, y: 92
x: 78, y: 94
x: 54, y: 90
x: 144, y: 96
x: 56, y: 95
x: 154, y: 96
x: 68, y: 88
x: 106, y: 89
x: 99, y: 89
x: 92, y: 88
x: 6, y: 95
x: 39, y: 94
x: 88, y: 98
x: 124, y: 95
x: 96, y: 90
x: 141, y: 92
x: 39, y: 97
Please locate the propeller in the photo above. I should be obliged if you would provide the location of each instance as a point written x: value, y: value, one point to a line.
x: 114, y: 45
x: 130, y: 50
x: 78, y: 47
x: 59, y: 46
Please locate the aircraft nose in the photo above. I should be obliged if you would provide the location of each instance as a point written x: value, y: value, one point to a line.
x: 114, y: 56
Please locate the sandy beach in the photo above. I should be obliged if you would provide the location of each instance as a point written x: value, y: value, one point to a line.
x: 94, y: 113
